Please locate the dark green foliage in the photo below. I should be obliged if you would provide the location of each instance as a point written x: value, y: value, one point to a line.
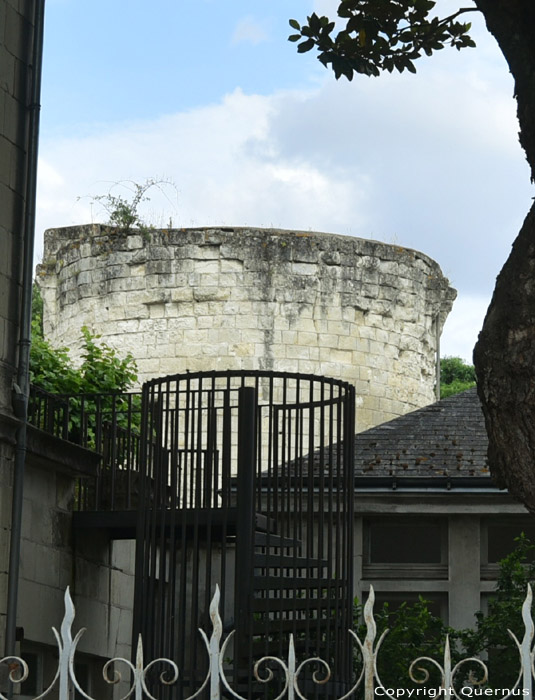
x: 93, y: 391
x: 50, y: 368
x: 413, y: 632
x: 454, y: 368
x: 380, y: 35
x: 102, y: 369
x: 37, y: 310
x: 455, y: 376
x: 456, y: 387
x: 504, y: 613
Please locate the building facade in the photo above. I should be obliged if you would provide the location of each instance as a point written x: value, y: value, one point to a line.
x: 16, y: 55
x: 429, y: 519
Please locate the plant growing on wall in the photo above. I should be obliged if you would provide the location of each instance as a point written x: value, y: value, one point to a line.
x: 124, y: 211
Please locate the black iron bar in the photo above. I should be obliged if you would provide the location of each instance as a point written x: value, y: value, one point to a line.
x: 194, y: 563
x: 245, y: 525
x: 210, y: 488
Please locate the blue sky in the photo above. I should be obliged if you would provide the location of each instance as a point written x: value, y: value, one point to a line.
x: 211, y: 95
x: 116, y: 60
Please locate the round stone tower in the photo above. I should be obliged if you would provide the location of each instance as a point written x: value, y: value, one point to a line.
x: 239, y: 298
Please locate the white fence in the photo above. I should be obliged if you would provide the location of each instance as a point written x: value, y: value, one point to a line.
x: 368, y: 684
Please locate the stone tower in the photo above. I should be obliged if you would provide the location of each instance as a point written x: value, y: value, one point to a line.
x: 239, y: 298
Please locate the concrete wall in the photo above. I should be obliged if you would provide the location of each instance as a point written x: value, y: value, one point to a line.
x: 15, y: 46
x: 54, y: 555
x: 99, y: 572
x: 204, y: 299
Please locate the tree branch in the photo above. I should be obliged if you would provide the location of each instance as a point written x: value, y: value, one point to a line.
x: 460, y: 11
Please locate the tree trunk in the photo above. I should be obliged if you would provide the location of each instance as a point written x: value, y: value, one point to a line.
x: 504, y: 358
x: 504, y: 355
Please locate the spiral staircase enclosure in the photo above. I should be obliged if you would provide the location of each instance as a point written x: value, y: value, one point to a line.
x: 246, y: 481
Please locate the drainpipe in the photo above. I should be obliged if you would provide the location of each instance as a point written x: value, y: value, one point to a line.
x: 21, y: 389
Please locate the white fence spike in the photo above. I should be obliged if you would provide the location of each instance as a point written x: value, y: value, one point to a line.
x: 368, y: 678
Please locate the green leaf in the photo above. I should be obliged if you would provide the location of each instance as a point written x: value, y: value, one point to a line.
x: 314, y: 23
x: 305, y: 46
x: 295, y: 24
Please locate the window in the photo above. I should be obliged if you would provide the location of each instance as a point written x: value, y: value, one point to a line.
x: 498, y: 540
x: 501, y: 538
x: 405, y: 541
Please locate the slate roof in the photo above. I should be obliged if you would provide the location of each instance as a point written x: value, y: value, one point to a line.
x: 446, y: 439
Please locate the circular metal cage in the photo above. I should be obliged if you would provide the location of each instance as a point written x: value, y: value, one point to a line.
x: 246, y: 482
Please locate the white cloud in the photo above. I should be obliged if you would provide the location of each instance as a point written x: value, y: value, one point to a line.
x: 431, y: 161
x: 222, y: 159
x: 250, y: 31
x: 49, y: 176
x: 463, y: 325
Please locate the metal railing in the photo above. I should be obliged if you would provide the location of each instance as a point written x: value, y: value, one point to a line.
x: 367, y: 683
x: 49, y: 412
x: 241, y: 478
x: 109, y: 424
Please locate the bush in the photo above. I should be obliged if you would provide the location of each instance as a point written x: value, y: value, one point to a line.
x: 504, y: 613
x: 413, y: 631
x: 455, y: 376
x: 102, y: 373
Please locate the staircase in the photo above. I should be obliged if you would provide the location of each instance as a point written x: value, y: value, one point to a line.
x: 291, y: 595
x: 241, y: 479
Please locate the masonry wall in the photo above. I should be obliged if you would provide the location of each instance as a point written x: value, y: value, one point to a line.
x: 202, y: 299
x: 15, y: 46
x: 99, y: 572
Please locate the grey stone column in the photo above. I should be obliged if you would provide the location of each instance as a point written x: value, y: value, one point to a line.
x: 464, y: 556
x: 358, y: 552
